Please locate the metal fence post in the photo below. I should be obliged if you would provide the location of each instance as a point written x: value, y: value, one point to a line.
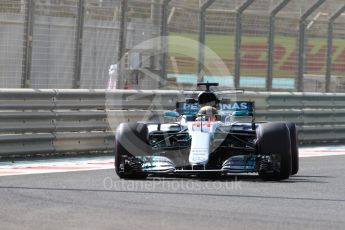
x: 202, y: 34
x: 28, y: 37
x: 164, y: 38
x: 238, y: 40
x: 271, y: 34
x: 301, y: 41
x: 78, y: 44
x: 122, y: 42
x: 330, y: 47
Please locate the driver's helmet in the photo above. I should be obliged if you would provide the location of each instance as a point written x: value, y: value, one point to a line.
x: 209, y: 113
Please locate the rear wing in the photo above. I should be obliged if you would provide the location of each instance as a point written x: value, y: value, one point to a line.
x: 185, y: 108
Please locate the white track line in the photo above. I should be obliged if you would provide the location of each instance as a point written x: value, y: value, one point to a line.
x: 322, y: 151
x: 55, y: 165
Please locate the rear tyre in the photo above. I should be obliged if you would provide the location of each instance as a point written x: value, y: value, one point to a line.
x: 274, y: 138
x: 131, y: 140
x: 294, y: 148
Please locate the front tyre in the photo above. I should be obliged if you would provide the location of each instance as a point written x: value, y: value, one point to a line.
x: 131, y: 140
x: 273, y: 139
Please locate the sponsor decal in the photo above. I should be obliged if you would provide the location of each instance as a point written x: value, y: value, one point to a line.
x: 234, y: 106
x: 192, y: 109
x: 206, y: 124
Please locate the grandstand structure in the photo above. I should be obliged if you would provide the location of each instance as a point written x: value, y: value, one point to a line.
x: 72, y: 43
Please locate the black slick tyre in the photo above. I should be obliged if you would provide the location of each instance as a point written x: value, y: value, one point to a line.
x: 274, y: 138
x: 131, y: 139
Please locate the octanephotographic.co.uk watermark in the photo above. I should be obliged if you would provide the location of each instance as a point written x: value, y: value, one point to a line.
x: 171, y: 185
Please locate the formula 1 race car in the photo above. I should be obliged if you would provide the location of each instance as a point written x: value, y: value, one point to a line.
x: 209, y: 137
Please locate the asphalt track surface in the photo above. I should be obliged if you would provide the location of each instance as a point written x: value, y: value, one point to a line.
x: 314, y: 199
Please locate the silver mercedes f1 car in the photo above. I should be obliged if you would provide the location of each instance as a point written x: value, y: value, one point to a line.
x: 209, y: 136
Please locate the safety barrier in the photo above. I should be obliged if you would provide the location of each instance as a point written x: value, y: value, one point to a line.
x: 72, y: 121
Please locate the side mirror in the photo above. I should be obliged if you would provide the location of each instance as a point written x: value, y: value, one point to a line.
x: 171, y: 114
x: 239, y: 113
